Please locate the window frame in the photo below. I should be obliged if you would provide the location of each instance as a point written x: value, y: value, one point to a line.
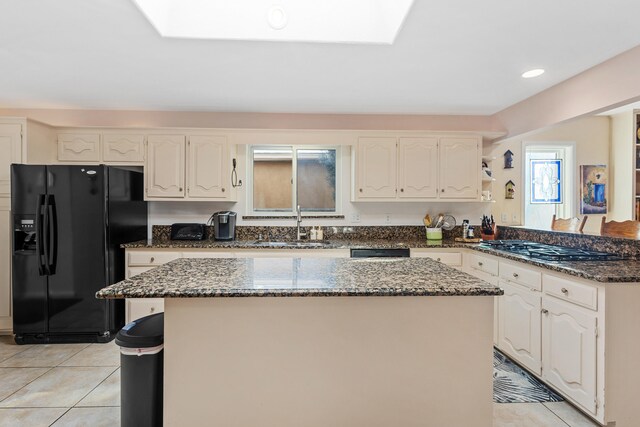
x: 568, y: 208
x: 294, y: 185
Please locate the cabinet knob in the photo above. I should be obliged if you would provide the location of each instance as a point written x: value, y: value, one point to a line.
x: 152, y: 309
x: 442, y: 190
x: 223, y: 190
x: 402, y: 190
x: 153, y: 259
x: 480, y: 264
x: 515, y: 275
x: 544, y: 311
x: 565, y: 291
x: 180, y: 189
x: 438, y: 259
x: 361, y: 190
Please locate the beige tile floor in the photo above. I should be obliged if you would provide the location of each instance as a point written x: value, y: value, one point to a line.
x: 59, y: 385
x: 79, y: 385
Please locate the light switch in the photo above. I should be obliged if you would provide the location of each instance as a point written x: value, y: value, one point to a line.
x: 504, y: 217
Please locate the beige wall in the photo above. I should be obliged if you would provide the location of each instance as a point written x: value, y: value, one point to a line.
x: 591, y: 136
x: 622, y: 166
x: 607, y: 85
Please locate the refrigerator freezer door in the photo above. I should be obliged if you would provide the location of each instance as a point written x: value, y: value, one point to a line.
x: 29, y: 287
x: 77, y: 194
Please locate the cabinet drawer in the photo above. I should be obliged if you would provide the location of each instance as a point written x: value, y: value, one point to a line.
x: 521, y: 275
x: 448, y: 258
x: 151, y: 258
x: 140, y: 307
x: 577, y: 293
x: 482, y: 263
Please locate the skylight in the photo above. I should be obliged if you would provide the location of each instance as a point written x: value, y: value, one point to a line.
x: 321, y: 21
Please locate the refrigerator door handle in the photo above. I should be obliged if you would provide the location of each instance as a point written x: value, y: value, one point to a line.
x: 45, y: 235
x: 39, y: 234
x: 52, y: 239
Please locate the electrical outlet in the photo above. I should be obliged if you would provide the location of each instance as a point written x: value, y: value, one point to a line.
x: 387, y: 218
x: 514, y: 218
x: 355, y: 217
x: 504, y: 217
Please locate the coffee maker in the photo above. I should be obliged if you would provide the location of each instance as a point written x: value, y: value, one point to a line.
x: 224, y: 225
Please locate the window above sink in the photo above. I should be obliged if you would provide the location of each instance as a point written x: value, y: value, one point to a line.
x: 284, y: 176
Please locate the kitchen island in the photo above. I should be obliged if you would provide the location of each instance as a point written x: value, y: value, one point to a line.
x: 322, y: 342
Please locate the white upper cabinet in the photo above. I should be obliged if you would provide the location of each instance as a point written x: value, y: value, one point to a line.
x: 123, y: 148
x: 208, y: 167
x: 194, y: 167
x: 376, y: 168
x: 10, y: 152
x: 417, y: 168
x: 75, y: 147
x: 460, y: 160
x: 164, y: 170
x: 100, y: 147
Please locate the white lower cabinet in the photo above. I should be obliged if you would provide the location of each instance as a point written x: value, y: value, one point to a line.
x: 519, y: 328
x: 485, y: 268
x: 569, y: 350
x: 139, y: 261
x: 450, y: 258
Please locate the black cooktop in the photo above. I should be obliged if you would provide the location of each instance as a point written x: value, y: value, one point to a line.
x: 542, y: 251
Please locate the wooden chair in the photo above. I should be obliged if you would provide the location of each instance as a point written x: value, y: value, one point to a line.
x: 572, y: 225
x: 627, y: 229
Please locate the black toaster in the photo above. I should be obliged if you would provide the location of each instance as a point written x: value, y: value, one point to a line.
x: 187, y: 231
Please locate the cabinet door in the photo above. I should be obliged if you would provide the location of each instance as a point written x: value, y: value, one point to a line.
x: 5, y: 263
x: 519, y: 330
x: 569, y: 351
x: 79, y: 147
x: 417, y: 168
x: 10, y: 152
x: 208, y: 168
x: 376, y: 168
x: 123, y: 148
x: 164, y: 170
x: 459, y: 168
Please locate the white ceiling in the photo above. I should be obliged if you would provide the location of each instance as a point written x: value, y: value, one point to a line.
x: 451, y: 57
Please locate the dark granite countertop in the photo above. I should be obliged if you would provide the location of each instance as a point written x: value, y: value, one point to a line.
x: 620, y: 271
x: 325, y: 244
x: 623, y: 271
x: 290, y: 277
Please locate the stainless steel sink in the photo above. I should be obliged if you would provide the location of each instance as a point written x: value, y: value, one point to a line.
x: 291, y: 244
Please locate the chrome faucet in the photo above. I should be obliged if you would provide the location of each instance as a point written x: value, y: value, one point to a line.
x: 299, y: 234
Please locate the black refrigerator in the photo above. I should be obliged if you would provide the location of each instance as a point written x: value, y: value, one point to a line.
x: 69, y: 222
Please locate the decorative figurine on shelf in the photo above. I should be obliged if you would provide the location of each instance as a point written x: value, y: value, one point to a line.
x: 508, y: 159
x: 509, y: 190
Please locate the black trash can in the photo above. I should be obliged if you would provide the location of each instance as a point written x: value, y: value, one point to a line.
x: 141, y: 362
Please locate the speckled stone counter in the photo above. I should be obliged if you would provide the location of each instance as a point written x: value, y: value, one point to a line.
x: 624, y: 271
x: 325, y: 244
x: 287, y: 277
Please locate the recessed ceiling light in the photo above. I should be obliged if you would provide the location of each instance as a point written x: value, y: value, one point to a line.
x: 326, y: 21
x: 533, y: 73
x: 277, y: 17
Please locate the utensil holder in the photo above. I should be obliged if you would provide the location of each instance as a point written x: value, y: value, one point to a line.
x: 434, y: 233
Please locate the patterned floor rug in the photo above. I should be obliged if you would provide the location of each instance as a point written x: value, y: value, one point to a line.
x: 512, y: 384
